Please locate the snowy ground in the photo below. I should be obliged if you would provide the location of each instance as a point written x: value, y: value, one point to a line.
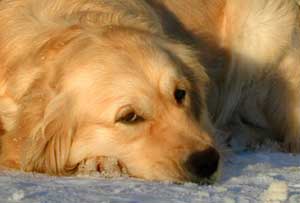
x: 247, y: 177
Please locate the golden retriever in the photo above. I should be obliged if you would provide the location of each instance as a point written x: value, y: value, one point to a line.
x: 86, y: 79
x: 126, y: 79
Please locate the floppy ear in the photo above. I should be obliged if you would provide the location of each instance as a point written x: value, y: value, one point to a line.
x: 50, y: 141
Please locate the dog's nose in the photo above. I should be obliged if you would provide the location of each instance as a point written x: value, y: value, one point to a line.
x: 203, y: 164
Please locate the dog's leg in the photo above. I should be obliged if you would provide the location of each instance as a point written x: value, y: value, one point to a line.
x: 287, y: 97
x: 264, y: 67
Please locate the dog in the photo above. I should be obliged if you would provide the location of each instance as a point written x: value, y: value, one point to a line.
x: 87, y: 79
x: 251, y: 52
x: 142, y: 80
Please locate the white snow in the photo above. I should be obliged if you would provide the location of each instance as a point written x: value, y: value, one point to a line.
x: 17, y: 196
x: 277, y: 192
x: 247, y: 177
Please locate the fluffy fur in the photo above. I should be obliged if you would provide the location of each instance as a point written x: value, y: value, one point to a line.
x: 251, y: 51
x: 71, y: 70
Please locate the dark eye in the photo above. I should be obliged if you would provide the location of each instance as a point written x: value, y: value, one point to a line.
x: 130, y: 118
x: 179, y: 95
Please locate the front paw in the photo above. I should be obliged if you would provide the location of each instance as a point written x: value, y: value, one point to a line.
x: 103, y: 166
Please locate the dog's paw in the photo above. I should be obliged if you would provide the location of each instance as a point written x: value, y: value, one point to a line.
x: 111, y: 167
x: 107, y: 167
x: 87, y: 167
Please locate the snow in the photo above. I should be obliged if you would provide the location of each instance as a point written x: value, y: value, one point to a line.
x: 267, y: 177
x: 17, y: 196
x: 278, y: 191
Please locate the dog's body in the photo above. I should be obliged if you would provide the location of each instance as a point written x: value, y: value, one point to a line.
x: 85, y: 79
x: 251, y: 50
x: 63, y: 62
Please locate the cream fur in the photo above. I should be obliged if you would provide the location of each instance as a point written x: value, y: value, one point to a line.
x: 251, y: 51
x: 69, y: 69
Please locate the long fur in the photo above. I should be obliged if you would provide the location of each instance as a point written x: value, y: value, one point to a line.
x: 251, y: 52
x: 70, y: 69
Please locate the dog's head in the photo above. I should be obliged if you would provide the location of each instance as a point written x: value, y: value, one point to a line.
x: 130, y: 95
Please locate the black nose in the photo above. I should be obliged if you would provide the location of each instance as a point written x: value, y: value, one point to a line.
x: 203, y: 164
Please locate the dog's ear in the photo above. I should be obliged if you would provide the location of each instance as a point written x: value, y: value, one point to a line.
x: 50, y: 142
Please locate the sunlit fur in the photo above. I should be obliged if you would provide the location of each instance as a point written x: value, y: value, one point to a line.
x: 67, y: 70
x: 251, y: 50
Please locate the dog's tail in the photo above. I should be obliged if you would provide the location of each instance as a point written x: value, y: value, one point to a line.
x: 257, y: 33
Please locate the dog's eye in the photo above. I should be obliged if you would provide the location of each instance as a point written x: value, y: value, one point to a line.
x: 130, y: 118
x: 179, y: 95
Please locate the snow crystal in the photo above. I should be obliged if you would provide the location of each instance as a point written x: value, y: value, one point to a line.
x: 221, y: 189
x: 277, y: 191
x: 203, y: 194
x: 294, y: 199
x: 17, y: 196
x: 228, y: 200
